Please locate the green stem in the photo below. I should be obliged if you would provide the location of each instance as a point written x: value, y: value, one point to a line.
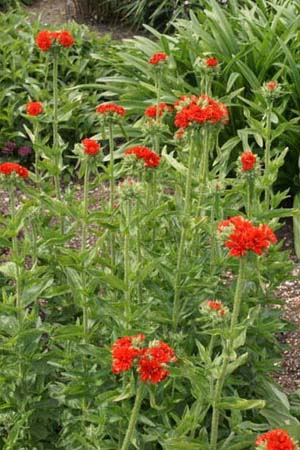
x: 227, y: 355
x: 183, y: 236
x: 85, y: 317
x: 250, y: 196
x: 139, y: 256
x: 85, y: 206
x: 157, y: 86
x: 56, y: 150
x: 111, y: 187
x: 268, y: 151
x: 16, y: 257
x: 36, y: 152
x: 134, y: 416
x: 203, y: 170
x: 55, y: 123
x: 127, y: 264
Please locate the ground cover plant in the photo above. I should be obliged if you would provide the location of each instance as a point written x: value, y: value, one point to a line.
x: 158, y: 330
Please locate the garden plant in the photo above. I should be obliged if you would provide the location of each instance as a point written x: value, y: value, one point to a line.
x: 145, y: 317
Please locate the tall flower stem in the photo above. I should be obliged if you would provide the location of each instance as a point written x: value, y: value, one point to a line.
x: 55, y: 123
x: 203, y: 170
x: 268, y: 150
x: 184, y: 233
x: 227, y: 355
x: 36, y: 152
x: 134, y: 416
x: 85, y: 311
x: 250, y: 195
x: 16, y: 257
x: 127, y: 263
x: 111, y: 187
x: 139, y: 255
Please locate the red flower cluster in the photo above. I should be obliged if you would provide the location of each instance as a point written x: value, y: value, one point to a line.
x: 150, y: 158
x: 272, y: 85
x: 45, y: 39
x: 248, y: 160
x: 110, y: 108
x: 157, y: 58
x: 8, y: 168
x: 211, y: 62
x: 151, y: 361
x: 162, y: 107
x: 217, y: 306
x: 244, y: 236
x: 276, y: 440
x: 34, y: 108
x: 124, y: 351
x: 90, y: 146
x: 193, y: 110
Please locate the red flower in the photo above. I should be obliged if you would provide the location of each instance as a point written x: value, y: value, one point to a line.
x: 8, y: 168
x: 211, y: 62
x: 44, y: 40
x: 272, y: 85
x: 90, y: 146
x: 157, y: 58
x: 248, y: 160
x: 162, y: 107
x: 276, y: 440
x: 216, y: 306
x: 150, y: 158
x: 65, y: 38
x: 152, y: 363
x: 124, y: 352
x: 110, y: 108
x: 244, y: 236
x: 34, y: 108
x: 201, y: 110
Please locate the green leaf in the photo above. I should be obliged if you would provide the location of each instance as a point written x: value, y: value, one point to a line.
x: 9, y: 269
x: 240, y: 403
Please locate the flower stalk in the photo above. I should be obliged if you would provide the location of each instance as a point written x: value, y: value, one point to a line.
x: 184, y: 233
x: 134, y: 416
x: 16, y: 257
x: 228, y: 348
x: 268, y: 150
x: 127, y: 262
x: 85, y: 312
x: 111, y: 187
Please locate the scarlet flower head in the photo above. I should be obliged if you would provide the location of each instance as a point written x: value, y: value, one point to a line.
x: 248, y: 161
x: 211, y: 62
x: 90, y: 146
x: 65, y: 38
x: 34, y: 108
x: 218, y: 307
x: 275, y: 440
x: 150, y: 158
x: 272, y: 85
x: 152, y: 363
x: 124, y: 351
x: 198, y: 111
x: 157, y: 58
x: 242, y: 236
x: 151, y: 111
x: 9, y: 168
x: 45, y: 39
x: 110, y: 110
